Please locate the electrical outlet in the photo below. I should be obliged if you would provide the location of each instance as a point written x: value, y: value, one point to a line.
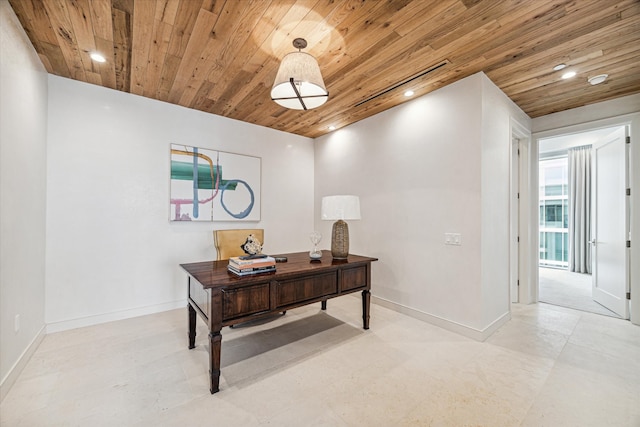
x: 16, y: 323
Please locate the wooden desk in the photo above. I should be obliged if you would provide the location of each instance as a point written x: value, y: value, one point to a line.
x: 223, y: 299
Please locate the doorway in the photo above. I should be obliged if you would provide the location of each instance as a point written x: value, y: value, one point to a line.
x: 579, y: 181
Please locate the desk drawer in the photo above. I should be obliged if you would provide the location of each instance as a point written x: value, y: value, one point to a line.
x: 353, y: 278
x: 306, y: 288
x: 245, y: 301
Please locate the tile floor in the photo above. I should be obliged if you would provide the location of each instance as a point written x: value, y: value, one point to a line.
x: 548, y: 366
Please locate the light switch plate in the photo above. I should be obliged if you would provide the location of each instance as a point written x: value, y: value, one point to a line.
x: 453, y: 239
x: 457, y: 239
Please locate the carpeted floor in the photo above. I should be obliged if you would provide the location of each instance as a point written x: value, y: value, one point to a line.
x: 567, y: 289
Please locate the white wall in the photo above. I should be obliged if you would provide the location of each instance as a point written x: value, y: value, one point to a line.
x: 437, y: 164
x: 23, y: 127
x: 587, y: 114
x: 498, y: 113
x: 625, y: 110
x: 111, y: 250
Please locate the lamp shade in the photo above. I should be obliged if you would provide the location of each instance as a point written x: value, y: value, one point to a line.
x: 298, y: 84
x: 340, y: 207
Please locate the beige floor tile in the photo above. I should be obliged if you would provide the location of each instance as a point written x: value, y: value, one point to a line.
x: 555, y: 319
x: 548, y: 366
x: 529, y: 339
x: 577, y: 397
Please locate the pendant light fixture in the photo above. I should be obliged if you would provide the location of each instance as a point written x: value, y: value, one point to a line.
x: 299, y: 84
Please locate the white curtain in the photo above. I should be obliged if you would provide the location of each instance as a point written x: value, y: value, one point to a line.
x: 580, y: 209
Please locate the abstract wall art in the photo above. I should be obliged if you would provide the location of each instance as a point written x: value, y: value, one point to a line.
x: 210, y: 185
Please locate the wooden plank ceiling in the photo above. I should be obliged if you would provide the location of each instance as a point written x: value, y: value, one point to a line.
x: 221, y: 56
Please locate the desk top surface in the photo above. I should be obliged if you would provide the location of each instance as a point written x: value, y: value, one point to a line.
x: 212, y: 274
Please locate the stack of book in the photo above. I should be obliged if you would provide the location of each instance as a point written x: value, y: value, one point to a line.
x: 255, y: 264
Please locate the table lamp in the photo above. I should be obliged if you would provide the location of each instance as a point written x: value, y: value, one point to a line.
x: 340, y: 208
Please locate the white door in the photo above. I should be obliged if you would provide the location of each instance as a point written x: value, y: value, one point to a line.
x: 609, y: 273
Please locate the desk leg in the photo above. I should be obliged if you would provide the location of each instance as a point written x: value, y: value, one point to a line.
x: 215, y: 340
x: 324, y: 305
x: 366, y: 304
x: 192, y: 326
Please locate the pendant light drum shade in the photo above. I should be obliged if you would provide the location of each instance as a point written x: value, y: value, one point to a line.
x: 299, y: 84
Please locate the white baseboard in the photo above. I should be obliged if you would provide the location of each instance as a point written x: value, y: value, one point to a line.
x: 458, y: 328
x: 18, y: 367
x: 64, y: 325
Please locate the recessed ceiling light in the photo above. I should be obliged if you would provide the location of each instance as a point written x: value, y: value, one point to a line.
x: 569, y: 74
x: 559, y: 67
x: 97, y: 57
x: 408, y: 93
x: 596, y: 80
x: 332, y: 127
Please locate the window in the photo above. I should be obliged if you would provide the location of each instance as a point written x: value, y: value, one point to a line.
x: 554, y: 212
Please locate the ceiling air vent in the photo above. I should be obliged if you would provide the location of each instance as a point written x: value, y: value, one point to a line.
x: 404, y: 82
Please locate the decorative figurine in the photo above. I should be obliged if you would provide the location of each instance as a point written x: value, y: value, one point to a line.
x: 252, y: 245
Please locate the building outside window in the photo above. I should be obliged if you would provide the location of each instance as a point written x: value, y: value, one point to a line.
x: 554, y: 212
